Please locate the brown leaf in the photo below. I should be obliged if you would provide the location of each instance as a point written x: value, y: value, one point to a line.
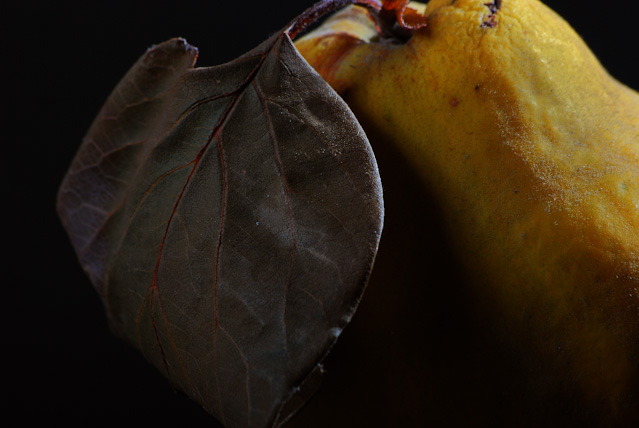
x: 229, y: 217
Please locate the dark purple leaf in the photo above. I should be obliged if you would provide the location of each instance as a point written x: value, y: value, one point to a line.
x: 229, y: 217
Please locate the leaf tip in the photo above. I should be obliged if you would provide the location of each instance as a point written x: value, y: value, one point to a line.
x: 169, y: 51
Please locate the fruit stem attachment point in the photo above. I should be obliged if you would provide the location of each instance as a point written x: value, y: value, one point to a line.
x: 407, y: 18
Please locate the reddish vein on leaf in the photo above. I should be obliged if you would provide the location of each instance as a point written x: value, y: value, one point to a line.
x: 153, y: 288
x: 219, y: 236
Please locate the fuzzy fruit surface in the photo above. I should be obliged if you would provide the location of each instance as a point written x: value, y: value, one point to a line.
x: 531, y: 152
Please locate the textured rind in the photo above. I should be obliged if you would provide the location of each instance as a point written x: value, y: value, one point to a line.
x: 531, y: 151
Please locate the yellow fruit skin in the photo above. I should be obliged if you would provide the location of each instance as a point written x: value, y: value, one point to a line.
x: 530, y: 150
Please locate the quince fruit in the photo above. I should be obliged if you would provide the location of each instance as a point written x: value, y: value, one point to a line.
x: 510, y: 161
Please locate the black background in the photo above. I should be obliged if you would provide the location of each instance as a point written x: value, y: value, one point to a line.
x: 60, y: 61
